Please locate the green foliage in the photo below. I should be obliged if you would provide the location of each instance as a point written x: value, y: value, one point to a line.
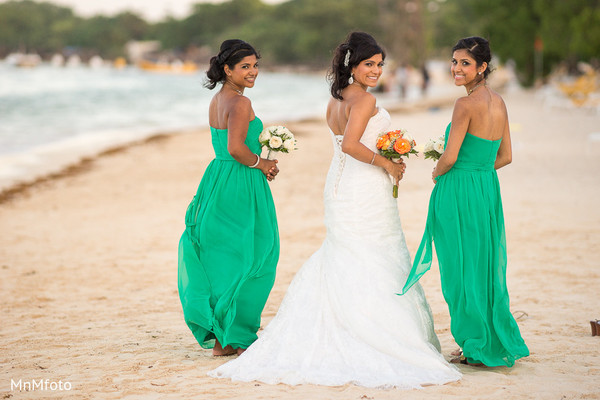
x: 307, y: 31
x: 28, y: 25
x: 297, y: 31
x: 46, y: 28
x: 569, y: 30
x: 108, y: 35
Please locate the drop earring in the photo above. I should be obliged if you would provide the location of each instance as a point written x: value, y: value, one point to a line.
x: 350, y: 80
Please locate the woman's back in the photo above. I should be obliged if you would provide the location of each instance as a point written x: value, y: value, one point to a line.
x: 488, y: 116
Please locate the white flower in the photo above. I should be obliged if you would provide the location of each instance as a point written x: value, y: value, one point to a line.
x: 438, y: 146
x: 428, y: 146
x: 275, y: 142
x: 265, y: 136
x: 277, y: 138
x: 289, y: 144
x: 420, y: 148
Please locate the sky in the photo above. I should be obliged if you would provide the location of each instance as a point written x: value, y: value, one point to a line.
x: 151, y: 10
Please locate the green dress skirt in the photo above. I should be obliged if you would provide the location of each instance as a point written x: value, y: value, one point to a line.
x: 466, y: 223
x: 229, y: 249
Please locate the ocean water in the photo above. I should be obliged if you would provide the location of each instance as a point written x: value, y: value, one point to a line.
x: 51, y: 117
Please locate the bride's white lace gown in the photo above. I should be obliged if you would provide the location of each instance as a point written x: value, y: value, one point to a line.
x: 341, y: 320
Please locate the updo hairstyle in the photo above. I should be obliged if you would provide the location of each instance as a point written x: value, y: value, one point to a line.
x: 479, y: 49
x: 232, y: 52
x: 361, y: 46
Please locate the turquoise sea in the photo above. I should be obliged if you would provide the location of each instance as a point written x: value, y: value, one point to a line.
x: 51, y: 116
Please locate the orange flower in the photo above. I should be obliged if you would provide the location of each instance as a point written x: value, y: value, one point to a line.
x: 383, y: 142
x: 395, y: 134
x: 402, y: 146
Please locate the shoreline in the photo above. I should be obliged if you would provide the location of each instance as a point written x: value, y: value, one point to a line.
x: 66, y: 164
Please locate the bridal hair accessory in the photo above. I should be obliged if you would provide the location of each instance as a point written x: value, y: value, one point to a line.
x: 347, y: 58
x: 277, y: 138
x: 395, y: 144
x: 256, y: 163
x: 350, y: 80
x: 225, y: 54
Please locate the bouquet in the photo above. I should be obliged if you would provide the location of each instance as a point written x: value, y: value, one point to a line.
x: 277, y: 138
x: 434, y: 148
x: 395, y: 144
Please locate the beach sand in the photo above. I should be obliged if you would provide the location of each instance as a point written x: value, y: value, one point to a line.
x: 88, y: 265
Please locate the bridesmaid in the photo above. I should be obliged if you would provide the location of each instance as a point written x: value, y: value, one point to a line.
x: 230, y: 247
x: 466, y: 221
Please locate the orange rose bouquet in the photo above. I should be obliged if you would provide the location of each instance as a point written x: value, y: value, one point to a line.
x: 396, y: 144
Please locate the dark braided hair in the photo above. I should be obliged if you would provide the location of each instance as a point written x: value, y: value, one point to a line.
x: 231, y: 52
x: 361, y: 46
x: 479, y: 49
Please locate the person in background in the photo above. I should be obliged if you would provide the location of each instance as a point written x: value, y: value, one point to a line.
x: 424, y: 80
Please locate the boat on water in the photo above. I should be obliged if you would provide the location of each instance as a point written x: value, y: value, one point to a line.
x: 28, y: 60
x: 177, y: 66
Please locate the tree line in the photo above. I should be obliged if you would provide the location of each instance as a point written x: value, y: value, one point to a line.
x: 305, y: 32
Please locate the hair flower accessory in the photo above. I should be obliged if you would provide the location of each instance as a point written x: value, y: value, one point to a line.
x: 347, y: 58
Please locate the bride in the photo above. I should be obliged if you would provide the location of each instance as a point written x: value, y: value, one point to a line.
x: 341, y: 320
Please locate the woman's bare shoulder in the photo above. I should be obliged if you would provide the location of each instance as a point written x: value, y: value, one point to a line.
x: 361, y: 100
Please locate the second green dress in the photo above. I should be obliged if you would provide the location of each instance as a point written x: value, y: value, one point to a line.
x: 229, y: 249
x: 466, y: 222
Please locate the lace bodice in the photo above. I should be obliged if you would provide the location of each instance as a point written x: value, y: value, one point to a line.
x: 360, y: 189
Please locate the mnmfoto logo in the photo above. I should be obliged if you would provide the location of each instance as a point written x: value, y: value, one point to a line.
x: 40, y: 384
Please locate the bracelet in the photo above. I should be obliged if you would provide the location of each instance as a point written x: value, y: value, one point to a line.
x: 373, y: 159
x: 256, y: 163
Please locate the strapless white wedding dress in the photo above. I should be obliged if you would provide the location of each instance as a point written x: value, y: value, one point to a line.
x: 341, y: 320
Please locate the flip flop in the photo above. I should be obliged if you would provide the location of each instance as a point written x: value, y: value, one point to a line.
x: 463, y: 360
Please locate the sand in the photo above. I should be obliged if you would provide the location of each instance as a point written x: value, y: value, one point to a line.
x: 89, y: 279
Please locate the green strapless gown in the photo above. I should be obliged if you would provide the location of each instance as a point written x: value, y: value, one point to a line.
x: 229, y: 249
x: 466, y: 223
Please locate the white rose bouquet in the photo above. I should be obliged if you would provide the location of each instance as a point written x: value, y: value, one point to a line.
x: 277, y: 138
x: 434, y: 148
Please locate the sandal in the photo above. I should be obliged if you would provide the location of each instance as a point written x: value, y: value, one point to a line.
x: 457, y: 360
x: 518, y: 314
x: 463, y: 360
x: 457, y: 352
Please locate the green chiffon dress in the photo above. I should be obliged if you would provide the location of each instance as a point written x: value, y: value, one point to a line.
x: 466, y: 223
x: 229, y: 249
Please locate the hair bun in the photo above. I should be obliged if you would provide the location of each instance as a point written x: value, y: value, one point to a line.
x: 230, y: 53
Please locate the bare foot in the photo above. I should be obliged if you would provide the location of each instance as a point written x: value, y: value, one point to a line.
x: 240, y: 351
x: 219, y: 351
x: 457, y: 352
